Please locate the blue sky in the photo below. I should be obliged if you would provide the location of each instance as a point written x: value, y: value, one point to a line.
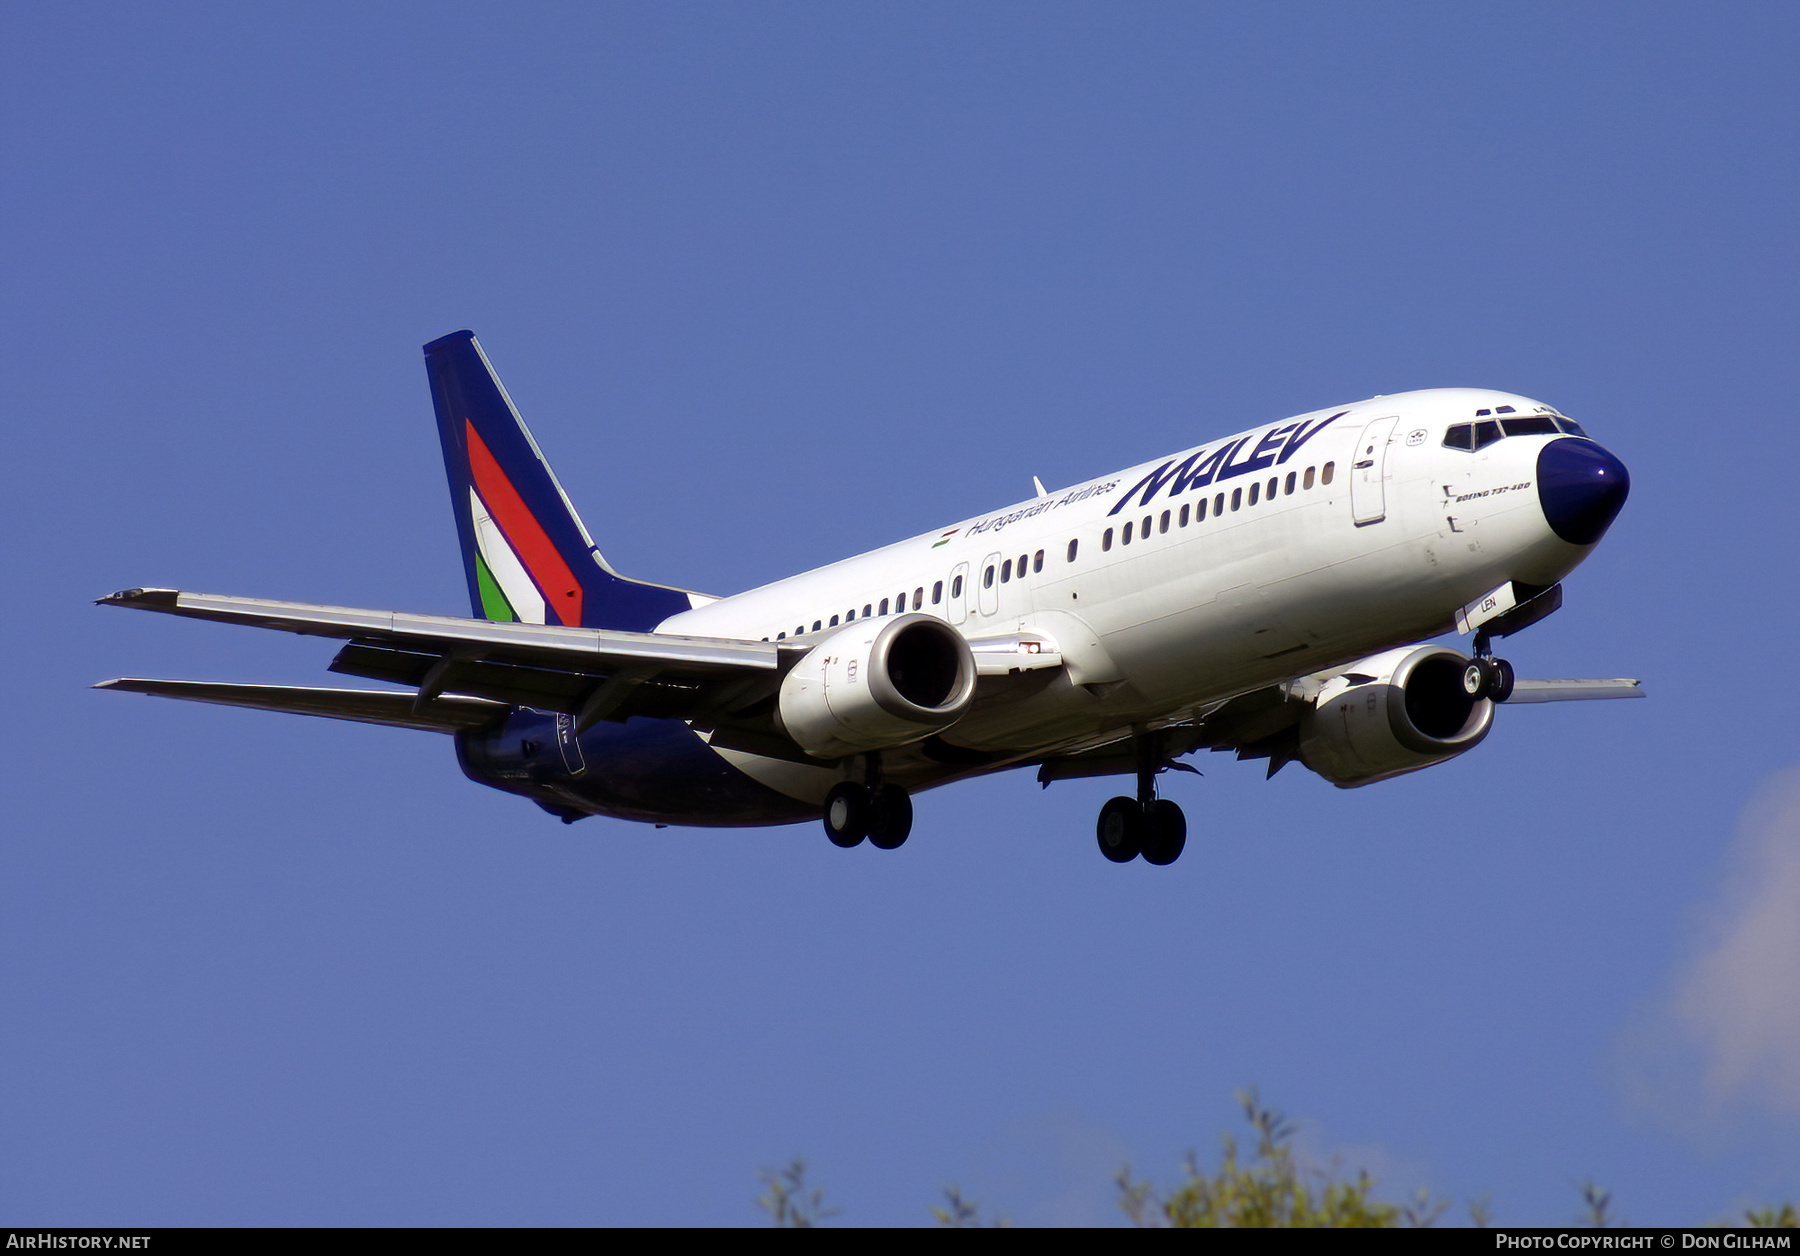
x: 775, y: 284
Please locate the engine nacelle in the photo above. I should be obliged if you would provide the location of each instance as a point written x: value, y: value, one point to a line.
x: 878, y: 683
x: 1391, y: 714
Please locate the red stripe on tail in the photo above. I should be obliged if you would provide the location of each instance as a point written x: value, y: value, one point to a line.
x: 535, y: 549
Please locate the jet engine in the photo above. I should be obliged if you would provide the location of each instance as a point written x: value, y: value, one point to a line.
x: 877, y: 683
x: 1391, y: 714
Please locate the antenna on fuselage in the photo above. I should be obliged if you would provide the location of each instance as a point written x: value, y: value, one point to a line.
x: 1039, y: 486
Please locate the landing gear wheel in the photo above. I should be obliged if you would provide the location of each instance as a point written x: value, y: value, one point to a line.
x: 1500, y: 685
x: 847, y: 814
x: 1121, y: 829
x: 890, y: 817
x: 1488, y: 678
x: 1165, y: 832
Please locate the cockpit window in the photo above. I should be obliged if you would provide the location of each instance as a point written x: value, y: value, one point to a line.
x: 1530, y: 425
x: 1570, y: 426
x: 1473, y: 436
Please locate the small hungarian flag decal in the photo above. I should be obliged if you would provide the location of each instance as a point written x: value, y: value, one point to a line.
x: 945, y: 539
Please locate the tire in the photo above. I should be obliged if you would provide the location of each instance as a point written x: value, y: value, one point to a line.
x: 1120, y: 830
x: 890, y: 818
x: 1501, y: 686
x: 847, y: 814
x: 1165, y: 833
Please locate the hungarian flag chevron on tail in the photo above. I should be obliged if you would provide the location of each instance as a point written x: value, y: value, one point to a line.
x: 526, y: 552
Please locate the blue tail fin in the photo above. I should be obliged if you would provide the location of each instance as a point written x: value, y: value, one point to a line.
x: 526, y: 552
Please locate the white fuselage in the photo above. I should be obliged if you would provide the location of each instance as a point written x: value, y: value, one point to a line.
x: 1286, y: 550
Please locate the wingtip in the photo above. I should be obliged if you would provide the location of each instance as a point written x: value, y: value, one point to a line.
x: 145, y: 599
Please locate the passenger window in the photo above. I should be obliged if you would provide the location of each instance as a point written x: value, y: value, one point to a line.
x: 956, y: 587
x: 937, y: 592
x: 1460, y: 436
x: 1145, y: 531
x: 1125, y: 539
x: 1200, y: 511
x: 1073, y: 546
x: 884, y: 606
x: 781, y: 636
x: 1253, y: 489
x: 1162, y: 525
x: 867, y: 609
x: 800, y: 631
x: 849, y: 615
x: 918, y: 597
x: 1106, y: 539
x: 1290, y: 484
x: 987, y: 578
x: 1006, y: 571
x: 1184, y: 515
x: 1307, y: 479
x: 834, y: 621
x: 1325, y: 472
x: 1273, y: 484
x: 1037, y: 562
x: 817, y: 625
x: 1219, y: 504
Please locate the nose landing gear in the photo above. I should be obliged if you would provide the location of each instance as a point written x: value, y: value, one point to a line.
x: 1486, y: 676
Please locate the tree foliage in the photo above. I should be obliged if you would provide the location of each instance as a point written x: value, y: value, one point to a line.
x: 1270, y: 1189
x: 788, y: 1200
x: 1782, y: 1218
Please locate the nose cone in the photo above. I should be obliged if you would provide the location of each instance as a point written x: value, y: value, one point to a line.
x: 1582, y: 488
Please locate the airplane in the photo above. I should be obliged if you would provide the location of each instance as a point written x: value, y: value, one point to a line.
x: 1272, y: 594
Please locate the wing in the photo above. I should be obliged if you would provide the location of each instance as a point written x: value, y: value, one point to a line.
x: 444, y: 714
x: 1572, y: 690
x: 590, y: 673
x: 1265, y: 724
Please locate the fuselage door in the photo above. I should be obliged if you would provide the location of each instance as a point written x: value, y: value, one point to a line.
x: 957, y: 608
x: 1368, y: 469
x: 988, y: 584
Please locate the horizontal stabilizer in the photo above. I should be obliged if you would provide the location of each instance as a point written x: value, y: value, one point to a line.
x: 443, y: 714
x: 1572, y: 690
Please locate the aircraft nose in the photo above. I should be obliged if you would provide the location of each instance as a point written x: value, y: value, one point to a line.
x: 1582, y: 488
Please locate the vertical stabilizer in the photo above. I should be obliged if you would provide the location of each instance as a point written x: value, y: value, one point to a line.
x: 526, y: 553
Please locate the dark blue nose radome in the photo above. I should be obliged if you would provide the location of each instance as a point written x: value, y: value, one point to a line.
x: 1582, y: 488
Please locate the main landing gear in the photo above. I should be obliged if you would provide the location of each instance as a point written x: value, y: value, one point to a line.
x: 881, y: 813
x: 1146, y: 825
x: 1486, y: 676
